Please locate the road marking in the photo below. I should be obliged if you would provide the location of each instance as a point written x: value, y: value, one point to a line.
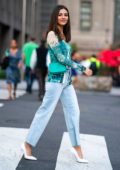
x: 1, y: 104
x: 4, y: 93
x: 10, y: 142
x: 115, y: 91
x: 94, y: 150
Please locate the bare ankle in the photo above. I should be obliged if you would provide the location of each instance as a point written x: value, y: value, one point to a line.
x: 77, y: 148
x: 79, y: 151
x: 27, y: 145
x: 28, y: 148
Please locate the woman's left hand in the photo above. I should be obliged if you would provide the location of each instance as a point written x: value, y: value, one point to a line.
x: 88, y: 72
x: 20, y: 65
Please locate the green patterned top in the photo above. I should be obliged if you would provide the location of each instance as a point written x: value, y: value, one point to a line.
x: 60, y: 51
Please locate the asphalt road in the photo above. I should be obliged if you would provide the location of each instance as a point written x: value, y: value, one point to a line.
x: 100, y: 115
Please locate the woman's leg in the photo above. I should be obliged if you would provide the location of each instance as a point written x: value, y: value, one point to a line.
x: 14, y: 90
x: 9, y: 87
x: 72, y: 115
x: 43, y: 114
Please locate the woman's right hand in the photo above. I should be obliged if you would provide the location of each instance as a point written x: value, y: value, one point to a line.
x: 88, y: 72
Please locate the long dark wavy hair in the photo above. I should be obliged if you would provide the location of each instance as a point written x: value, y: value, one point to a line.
x: 53, y: 25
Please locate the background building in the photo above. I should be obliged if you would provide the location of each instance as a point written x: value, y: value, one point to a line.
x: 95, y: 23
x: 36, y: 17
x: 92, y: 23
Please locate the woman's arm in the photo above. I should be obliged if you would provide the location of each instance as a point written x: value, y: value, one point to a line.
x: 53, y: 42
x: 21, y: 60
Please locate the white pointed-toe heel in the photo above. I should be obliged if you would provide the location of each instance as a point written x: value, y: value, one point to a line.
x: 32, y: 158
x: 78, y: 159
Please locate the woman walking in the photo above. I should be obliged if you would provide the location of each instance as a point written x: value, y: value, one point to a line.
x: 58, y: 86
x: 12, y: 72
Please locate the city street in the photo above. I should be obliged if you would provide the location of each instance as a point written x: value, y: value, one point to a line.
x: 61, y: 41
x: 100, y: 115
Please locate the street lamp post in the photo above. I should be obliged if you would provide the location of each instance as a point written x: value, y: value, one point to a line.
x: 33, y: 17
x: 23, y: 21
x: 23, y: 29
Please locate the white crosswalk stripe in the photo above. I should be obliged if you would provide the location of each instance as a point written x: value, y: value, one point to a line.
x: 1, y: 104
x: 10, y: 142
x: 94, y: 149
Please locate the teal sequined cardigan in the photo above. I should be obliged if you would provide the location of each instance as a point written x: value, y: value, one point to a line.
x: 60, y: 51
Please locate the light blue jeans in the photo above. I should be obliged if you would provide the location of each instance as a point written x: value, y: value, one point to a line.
x: 67, y: 95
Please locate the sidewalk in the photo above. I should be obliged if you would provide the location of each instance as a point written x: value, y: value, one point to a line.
x: 21, y: 90
x: 21, y: 85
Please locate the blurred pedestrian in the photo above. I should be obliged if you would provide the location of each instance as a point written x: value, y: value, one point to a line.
x: 76, y: 58
x: 13, y: 69
x: 38, y: 63
x: 27, y: 52
x: 58, y: 86
x: 94, y: 64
